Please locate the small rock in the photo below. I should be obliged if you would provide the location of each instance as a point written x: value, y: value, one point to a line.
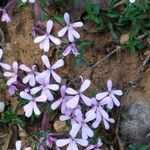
x: 2, y: 107
x: 8, y: 47
x: 60, y: 126
x: 124, y: 38
x: 136, y: 120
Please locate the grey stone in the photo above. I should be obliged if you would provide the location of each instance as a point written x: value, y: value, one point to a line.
x: 136, y: 121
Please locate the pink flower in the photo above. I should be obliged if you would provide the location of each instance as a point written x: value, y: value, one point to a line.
x: 70, y: 114
x: 44, y: 40
x: 32, y: 106
x: 99, y: 114
x: 18, y: 146
x: 50, y: 69
x: 70, y: 28
x: 61, y: 101
x: 71, y: 48
x: 5, y: 16
x: 45, y: 87
x: 72, y: 143
x: 31, y: 1
x: 12, y: 89
x: 31, y: 74
x: 3, y: 65
x: 13, y: 74
x: 73, y: 102
x: 111, y: 94
x: 96, y: 146
x: 81, y: 124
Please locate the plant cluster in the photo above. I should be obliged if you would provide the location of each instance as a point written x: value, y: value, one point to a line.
x: 84, y: 114
x: 119, y: 18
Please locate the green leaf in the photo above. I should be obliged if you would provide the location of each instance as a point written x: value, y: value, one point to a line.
x: 114, y: 33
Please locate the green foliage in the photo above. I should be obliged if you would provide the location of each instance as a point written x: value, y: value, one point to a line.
x: 132, y: 18
x: 82, y: 45
x: 20, y: 4
x: 134, y: 147
x: 3, y: 86
x: 61, y: 2
x: 11, y: 116
x: 44, y: 16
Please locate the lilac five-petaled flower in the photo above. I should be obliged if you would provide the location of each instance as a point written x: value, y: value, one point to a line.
x: 32, y: 106
x: 73, y: 102
x: 50, y: 69
x: 61, y: 101
x: 3, y: 65
x: 72, y: 143
x: 96, y: 146
x: 30, y: 74
x: 81, y: 123
x: 70, y: 28
x: 98, y: 113
x: 13, y: 74
x: 71, y: 49
x: 12, y: 89
x: 5, y: 17
x: 111, y: 94
x: 44, y: 40
x: 45, y: 87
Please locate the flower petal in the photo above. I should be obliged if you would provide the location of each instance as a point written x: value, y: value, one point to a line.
x: 32, y: 80
x: 55, y: 40
x: 36, y: 109
x: 35, y: 89
x: 86, y: 100
x: 82, y: 142
x: 1, y: 53
x: 28, y: 108
x: 18, y: 145
x: 25, y: 95
x: 73, y: 102
x: 5, y: 66
x: 75, y: 129
x: 39, y: 38
x: 115, y: 100
x: 100, y: 96
x: 53, y: 87
x: 62, y: 32
x: 109, y: 85
x: 77, y: 24
x: 46, y: 44
x: 85, y: 85
x: 63, y: 90
x: 75, y: 34
x: 70, y: 35
x: 67, y: 18
x: 26, y: 79
x: 41, y: 98
x: 56, y: 104
x: 24, y: 68
x: 71, y: 91
x: 49, y: 26
x: 72, y: 146
x: 58, y: 64
x: 62, y: 142
x: 117, y: 92
x: 56, y: 77
x: 8, y: 74
x: 46, y: 62
x: 91, y: 114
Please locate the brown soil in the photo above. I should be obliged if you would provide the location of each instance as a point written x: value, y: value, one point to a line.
x: 120, y: 67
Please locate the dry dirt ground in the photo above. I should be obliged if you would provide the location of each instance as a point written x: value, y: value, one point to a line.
x: 120, y: 67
